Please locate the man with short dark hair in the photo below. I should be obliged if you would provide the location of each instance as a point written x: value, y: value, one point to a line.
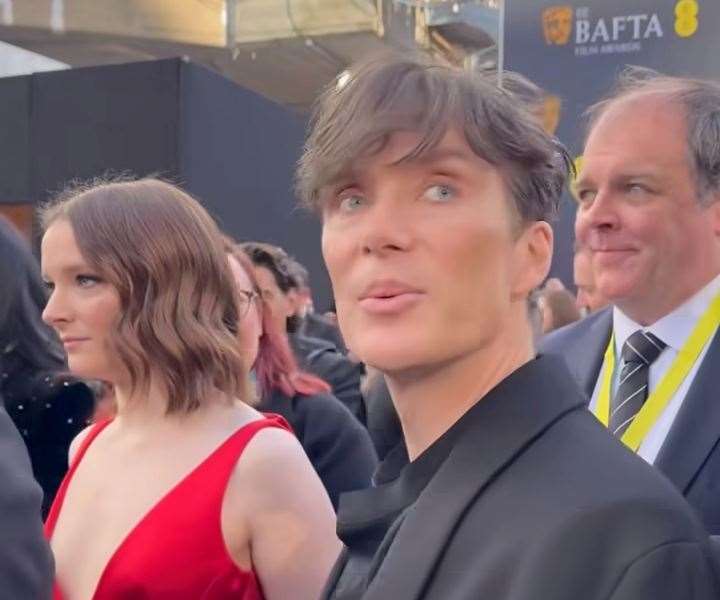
x: 649, y: 218
x: 435, y: 189
x: 276, y: 273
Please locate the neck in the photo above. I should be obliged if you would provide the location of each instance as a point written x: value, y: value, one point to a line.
x: 431, y: 399
x: 646, y: 311
x: 139, y: 407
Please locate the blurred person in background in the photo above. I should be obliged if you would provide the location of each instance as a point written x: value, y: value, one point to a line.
x: 310, y: 323
x: 557, y: 307
x: 649, y: 217
x: 187, y: 492
x: 588, y: 298
x: 338, y: 446
x: 48, y: 406
x: 273, y: 270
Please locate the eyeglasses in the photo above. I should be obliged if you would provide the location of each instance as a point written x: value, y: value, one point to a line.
x: 244, y: 300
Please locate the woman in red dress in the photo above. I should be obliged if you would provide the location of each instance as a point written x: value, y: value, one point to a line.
x: 186, y: 493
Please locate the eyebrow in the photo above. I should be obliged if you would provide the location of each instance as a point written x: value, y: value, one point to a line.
x: 72, y: 268
x: 629, y: 175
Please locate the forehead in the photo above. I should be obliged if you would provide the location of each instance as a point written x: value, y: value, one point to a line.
x: 242, y: 279
x: 645, y: 132
x: 400, y: 151
x: 265, y: 278
x: 59, y: 250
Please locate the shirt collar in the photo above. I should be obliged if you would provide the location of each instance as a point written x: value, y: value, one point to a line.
x: 675, y: 327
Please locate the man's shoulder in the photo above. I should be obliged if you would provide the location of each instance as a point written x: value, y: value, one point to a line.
x: 593, y: 328
x: 574, y: 497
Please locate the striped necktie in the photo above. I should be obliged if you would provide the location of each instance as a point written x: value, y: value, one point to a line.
x: 638, y: 353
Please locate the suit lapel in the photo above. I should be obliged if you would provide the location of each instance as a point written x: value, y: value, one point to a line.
x: 586, y: 353
x: 696, y: 429
x: 499, y: 428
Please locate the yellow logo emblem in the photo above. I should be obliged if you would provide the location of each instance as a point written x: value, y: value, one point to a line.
x: 551, y: 113
x: 686, y: 18
x: 557, y: 24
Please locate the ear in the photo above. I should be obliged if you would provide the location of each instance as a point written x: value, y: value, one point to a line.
x: 714, y: 210
x: 533, y: 254
x: 293, y: 299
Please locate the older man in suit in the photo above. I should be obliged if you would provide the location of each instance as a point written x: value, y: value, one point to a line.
x: 25, y: 561
x: 435, y: 188
x: 649, y: 216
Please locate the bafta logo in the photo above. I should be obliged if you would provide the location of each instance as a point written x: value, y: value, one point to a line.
x: 557, y: 24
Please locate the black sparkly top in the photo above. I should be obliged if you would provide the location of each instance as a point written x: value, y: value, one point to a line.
x: 49, y: 409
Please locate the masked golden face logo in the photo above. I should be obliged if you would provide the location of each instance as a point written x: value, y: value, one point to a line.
x: 551, y: 113
x: 557, y: 24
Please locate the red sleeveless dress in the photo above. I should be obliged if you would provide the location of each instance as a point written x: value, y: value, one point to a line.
x: 176, y: 551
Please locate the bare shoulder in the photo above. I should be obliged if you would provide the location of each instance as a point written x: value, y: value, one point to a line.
x: 288, y: 524
x: 271, y: 456
x: 77, y: 442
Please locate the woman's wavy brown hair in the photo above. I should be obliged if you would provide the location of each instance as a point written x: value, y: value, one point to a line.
x: 164, y: 254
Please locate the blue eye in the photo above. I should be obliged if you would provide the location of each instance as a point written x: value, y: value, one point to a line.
x: 440, y: 193
x: 87, y: 280
x: 351, y: 202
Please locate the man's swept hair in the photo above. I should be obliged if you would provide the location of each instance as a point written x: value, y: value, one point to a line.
x: 358, y: 113
x: 164, y: 255
x: 699, y: 100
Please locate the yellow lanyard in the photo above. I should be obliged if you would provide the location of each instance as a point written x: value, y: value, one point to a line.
x: 669, y: 384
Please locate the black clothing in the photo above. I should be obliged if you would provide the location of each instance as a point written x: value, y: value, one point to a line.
x: 366, y: 516
x: 690, y: 454
x: 49, y: 410
x: 323, y: 359
x: 317, y: 326
x: 26, y: 565
x: 533, y: 499
x: 383, y: 423
x: 337, y: 445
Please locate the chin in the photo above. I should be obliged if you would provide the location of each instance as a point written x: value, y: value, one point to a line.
x: 394, y: 358
x: 617, y: 286
x: 86, y: 369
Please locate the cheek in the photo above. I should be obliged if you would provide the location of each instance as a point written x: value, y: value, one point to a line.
x: 330, y: 252
x: 106, y: 315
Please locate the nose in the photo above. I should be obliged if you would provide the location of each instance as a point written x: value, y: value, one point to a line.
x: 387, y: 227
x: 56, y: 310
x: 598, y: 216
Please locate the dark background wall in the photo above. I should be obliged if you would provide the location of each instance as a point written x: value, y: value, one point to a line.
x: 238, y: 152
x: 230, y: 147
x: 15, y: 94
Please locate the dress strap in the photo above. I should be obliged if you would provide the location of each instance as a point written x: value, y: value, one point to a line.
x: 215, y: 472
x: 60, y: 497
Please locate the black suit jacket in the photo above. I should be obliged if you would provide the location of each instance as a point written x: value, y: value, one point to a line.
x: 537, y: 501
x: 690, y: 456
x: 26, y: 567
x: 323, y: 359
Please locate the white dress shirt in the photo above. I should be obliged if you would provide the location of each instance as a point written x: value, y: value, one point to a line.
x: 673, y: 329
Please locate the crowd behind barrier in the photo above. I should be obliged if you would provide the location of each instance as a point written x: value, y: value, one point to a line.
x: 193, y: 425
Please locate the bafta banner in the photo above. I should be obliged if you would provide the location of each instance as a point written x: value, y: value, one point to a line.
x: 574, y: 49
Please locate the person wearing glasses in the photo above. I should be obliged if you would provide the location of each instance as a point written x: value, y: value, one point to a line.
x: 276, y: 274
x: 339, y: 447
